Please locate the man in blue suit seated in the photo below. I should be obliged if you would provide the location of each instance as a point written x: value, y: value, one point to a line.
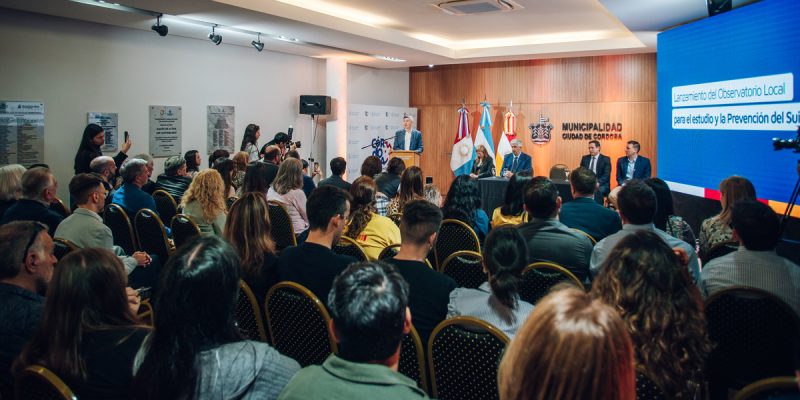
x: 583, y: 212
x: 408, y: 138
x: 517, y: 161
x: 632, y: 166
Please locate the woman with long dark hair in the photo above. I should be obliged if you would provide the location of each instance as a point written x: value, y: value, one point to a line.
x: 227, y: 169
x: 665, y: 218
x: 372, y: 231
x: 463, y: 203
x: 193, y: 162
x: 411, y: 188
x: 512, y: 211
x: 505, y: 256
x: 250, y: 141
x: 89, y: 333
x: 195, y: 349
x: 248, y: 231
x: 93, y: 137
x: 662, y: 308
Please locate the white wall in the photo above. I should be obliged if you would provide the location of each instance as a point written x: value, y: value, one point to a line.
x: 378, y: 87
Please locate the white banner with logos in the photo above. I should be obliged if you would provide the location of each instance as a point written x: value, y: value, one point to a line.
x: 369, y: 128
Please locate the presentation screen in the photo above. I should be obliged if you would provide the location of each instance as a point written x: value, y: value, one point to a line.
x: 726, y: 86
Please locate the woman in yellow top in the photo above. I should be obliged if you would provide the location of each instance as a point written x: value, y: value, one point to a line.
x: 371, y: 230
x: 410, y: 189
x: 511, y: 212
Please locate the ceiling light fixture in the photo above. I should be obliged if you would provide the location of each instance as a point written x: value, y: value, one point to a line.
x: 215, y: 38
x: 258, y: 44
x: 392, y: 59
x: 160, y: 29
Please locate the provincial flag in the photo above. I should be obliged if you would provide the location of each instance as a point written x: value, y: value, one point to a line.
x: 463, y: 148
x: 484, y: 134
x: 509, y: 134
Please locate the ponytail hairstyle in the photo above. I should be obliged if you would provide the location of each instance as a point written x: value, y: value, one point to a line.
x: 362, y: 205
x: 505, y: 255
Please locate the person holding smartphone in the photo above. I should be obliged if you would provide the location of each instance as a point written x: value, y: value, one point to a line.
x: 93, y: 137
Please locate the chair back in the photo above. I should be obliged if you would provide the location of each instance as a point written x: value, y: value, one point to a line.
x: 559, y: 171
x: 646, y: 389
x: 719, y: 250
x: 463, y: 356
x: 183, y: 229
x: 39, y: 383
x: 396, y: 217
x: 539, y: 277
x: 229, y: 201
x: 63, y: 247
x: 466, y: 268
x: 116, y: 218
x: 412, y: 359
x: 298, y: 324
x: 58, y: 206
x: 151, y: 233
x: 389, y: 252
x: 591, y: 238
x: 754, y: 334
x: 248, y: 314
x: 281, y: 226
x: 782, y: 387
x: 145, y: 313
x: 454, y: 236
x: 349, y: 247
x: 165, y: 205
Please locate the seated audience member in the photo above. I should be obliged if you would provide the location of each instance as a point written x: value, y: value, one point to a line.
x: 637, y: 208
x: 717, y: 229
x: 755, y: 264
x: 583, y: 212
x: 227, y: 169
x: 86, y: 229
x: 432, y: 194
x: 193, y: 162
x: 643, y: 279
x: 26, y: 266
x: 130, y: 195
x: 174, y: 180
x: 150, y: 186
x: 430, y: 290
x: 389, y: 182
x: 200, y: 355
x: 505, y: 256
x: 272, y: 154
x: 370, y: 316
x: 513, y: 209
x: 39, y: 188
x: 548, y: 239
x: 371, y: 167
x: 287, y: 189
x: 203, y: 202
x: 308, y: 183
x: 248, y: 231
x: 338, y: 168
x: 258, y: 178
x: 372, y: 231
x: 89, y: 333
x: 216, y: 155
x: 312, y: 263
x: 410, y: 189
x: 10, y: 185
x: 464, y: 204
x: 665, y: 218
x: 241, y: 159
x: 571, y: 347
x: 105, y: 166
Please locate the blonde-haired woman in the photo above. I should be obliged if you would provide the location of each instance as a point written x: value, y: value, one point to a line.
x: 484, y: 165
x: 287, y: 189
x: 717, y: 229
x: 10, y: 185
x: 204, y: 202
x: 241, y: 159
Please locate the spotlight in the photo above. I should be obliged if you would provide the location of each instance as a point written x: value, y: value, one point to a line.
x: 160, y: 29
x: 258, y: 44
x: 215, y: 38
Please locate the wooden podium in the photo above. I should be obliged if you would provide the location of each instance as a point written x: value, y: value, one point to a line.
x: 411, y: 158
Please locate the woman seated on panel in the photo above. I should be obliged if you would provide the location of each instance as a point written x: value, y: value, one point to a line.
x: 512, y: 212
x: 463, y: 203
x: 717, y: 229
x: 483, y: 166
x: 89, y: 334
x: 372, y: 231
x: 203, y: 202
x: 287, y: 189
x: 410, y: 189
x: 505, y: 256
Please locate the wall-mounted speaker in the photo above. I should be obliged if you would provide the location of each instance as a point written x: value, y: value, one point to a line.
x: 315, y: 105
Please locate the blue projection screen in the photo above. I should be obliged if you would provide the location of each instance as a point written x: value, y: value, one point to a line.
x: 726, y: 87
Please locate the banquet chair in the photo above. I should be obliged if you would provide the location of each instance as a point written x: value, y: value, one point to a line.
x: 782, y: 387
x: 454, y: 236
x: 248, y: 314
x: 349, y: 247
x: 183, y: 229
x: 539, y: 277
x: 63, y: 247
x: 152, y: 235
x: 58, y: 206
x: 281, y: 226
x: 121, y: 227
x: 389, y: 252
x: 412, y: 359
x: 39, y: 383
x: 466, y: 268
x: 165, y: 205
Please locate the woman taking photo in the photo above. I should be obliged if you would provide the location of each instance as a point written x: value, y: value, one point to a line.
x: 484, y: 165
x: 287, y: 189
x: 512, y: 212
x: 93, y: 137
x: 463, y: 203
x: 250, y: 141
x: 411, y: 188
x: 89, y: 333
x: 372, y: 231
x: 203, y: 202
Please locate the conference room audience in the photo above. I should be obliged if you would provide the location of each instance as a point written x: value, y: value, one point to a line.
x: 89, y: 333
x: 463, y: 203
x: 10, y: 185
x: 631, y: 166
x: 39, y: 187
x: 308, y: 183
x: 505, y: 256
x: 755, y: 264
x: 149, y: 187
x: 227, y: 169
x: 372, y: 231
x: 513, y: 209
x: 204, y: 203
x: 259, y: 178
x: 637, y: 209
x: 665, y: 218
x: 93, y: 137
x: 549, y: 239
x: 571, y: 347
x: 175, y: 180
x: 312, y: 263
x: 717, y: 229
x: 643, y: 279
x: 287, y: 189
x: 192, y: 354
x: 250, y: 142
x: 483, y: 166
x: 338, y: 168
x: 371, y: 167
x: 370, y: 316
x: 410, y: 189
x: 432, y: 194
x: 26, y: 267
x: 517, y: 161
x: 389, y: 181
x: 600, y: 165
x: 130, y: 195
x: 583, y: 212
x: 241, y: 159
x: 247, y: 229
x: 429, y: 290
x: 193, y: 162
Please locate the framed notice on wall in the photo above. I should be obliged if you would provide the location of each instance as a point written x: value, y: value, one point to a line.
x: 21, y: 132
x: 165, y: 131
x: 110, y: 125
x: 220, y: 128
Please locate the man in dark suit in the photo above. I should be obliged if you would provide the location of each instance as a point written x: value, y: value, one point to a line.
x: 585, y: 214
x: 601, y: 165
x: 517, y: 161
x: 632, y: 166
x: 408, y: 138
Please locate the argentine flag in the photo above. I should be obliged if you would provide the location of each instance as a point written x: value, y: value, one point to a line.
x: 484, y: 134
x: 509, y: 134
x: 463, y: 148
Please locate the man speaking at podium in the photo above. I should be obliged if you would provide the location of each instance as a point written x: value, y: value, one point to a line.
x: 408, y: 138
